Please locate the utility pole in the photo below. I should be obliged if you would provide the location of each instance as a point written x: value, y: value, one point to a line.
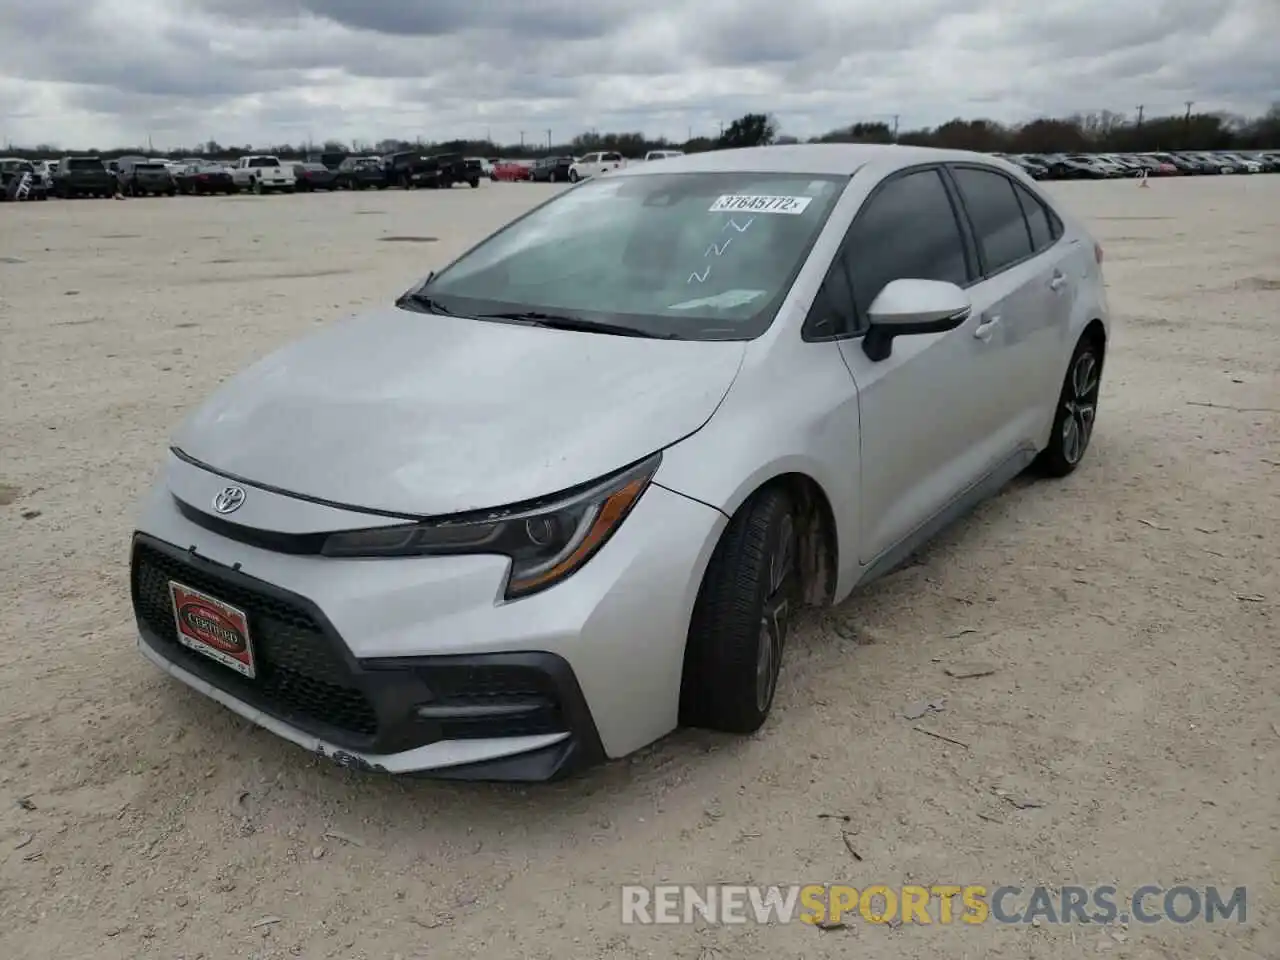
x: 1186, y: 125
x: 548, y: 139
x: 521, y: 139
x: 1141, y: 108
x: 895, y: 128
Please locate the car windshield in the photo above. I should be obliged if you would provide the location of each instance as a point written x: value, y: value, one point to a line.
x: 85, y: 163
x: 705, y: 256
x: 264, y: 162
x: 149, y: 166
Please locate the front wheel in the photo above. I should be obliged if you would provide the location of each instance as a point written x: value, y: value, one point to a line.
x: 1076, y: 413
x: 257, y: 187
x: 574, y: 176
x: 738, y: 631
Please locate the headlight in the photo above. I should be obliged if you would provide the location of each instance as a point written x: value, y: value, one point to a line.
x: 546, y: 542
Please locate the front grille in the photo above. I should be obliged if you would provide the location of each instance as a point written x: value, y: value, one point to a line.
x: 301, y: 677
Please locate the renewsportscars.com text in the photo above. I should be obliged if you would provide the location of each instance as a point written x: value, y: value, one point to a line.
x: 935, y: 904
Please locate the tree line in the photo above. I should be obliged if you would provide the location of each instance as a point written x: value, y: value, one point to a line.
x: 1102, y: 132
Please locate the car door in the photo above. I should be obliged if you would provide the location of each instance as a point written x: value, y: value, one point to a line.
x: 1026, y: 289
x: 923, y: 439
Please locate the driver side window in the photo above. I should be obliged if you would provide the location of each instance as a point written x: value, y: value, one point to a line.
x: 907, y: 230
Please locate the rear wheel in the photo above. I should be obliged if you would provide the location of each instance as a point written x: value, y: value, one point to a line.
x: 741, y: 618
x: 1077, y: 411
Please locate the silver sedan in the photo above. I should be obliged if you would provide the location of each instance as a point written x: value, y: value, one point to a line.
x: 568, y: 492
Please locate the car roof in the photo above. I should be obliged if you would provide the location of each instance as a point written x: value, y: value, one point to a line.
x: 817, y: 159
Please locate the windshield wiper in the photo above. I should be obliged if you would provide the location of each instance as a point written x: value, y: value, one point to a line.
x: 425, y: 301
x: 561, y: 321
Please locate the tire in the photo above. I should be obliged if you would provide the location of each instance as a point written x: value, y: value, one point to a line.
x: 474, y: 182
x: 738, y: 631
x: 574, y: 177
x: 256, y: 186
x: 1076, y: 413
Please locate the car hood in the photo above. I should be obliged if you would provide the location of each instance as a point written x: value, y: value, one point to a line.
x: 422, y: 414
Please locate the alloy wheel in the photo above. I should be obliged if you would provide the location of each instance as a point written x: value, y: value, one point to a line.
x: 776, y: 616
x: 1081, y: 405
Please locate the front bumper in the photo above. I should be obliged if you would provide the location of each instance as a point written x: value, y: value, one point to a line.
x: 416, y: 664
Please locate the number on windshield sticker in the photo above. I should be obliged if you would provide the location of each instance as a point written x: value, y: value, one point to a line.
x: 749, y: 203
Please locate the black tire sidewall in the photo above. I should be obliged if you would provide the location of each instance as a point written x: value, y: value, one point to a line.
x: 718, y: 690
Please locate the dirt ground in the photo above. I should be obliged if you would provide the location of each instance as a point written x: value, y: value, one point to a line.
x: 1131, y: 611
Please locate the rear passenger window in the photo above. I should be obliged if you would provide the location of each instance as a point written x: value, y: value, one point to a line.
x: 996, y: 215
x: 1042, y: 232
x: 908, y: 231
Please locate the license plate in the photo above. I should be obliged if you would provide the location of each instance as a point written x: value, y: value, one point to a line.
x: 213, y: 628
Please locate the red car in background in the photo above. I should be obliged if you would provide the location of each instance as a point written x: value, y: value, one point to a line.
x: 510, y: 170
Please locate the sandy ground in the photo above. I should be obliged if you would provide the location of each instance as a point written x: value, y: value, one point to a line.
x: 1131, y: 611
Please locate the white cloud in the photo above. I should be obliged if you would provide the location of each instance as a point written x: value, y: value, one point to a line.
x: 92, y: 72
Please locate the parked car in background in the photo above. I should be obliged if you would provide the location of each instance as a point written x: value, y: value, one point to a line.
x: 1074, y: 168
x: 332, y: 159
x: 1153, y: 166
x: 552, y: 170
x: 360, y: 173
x: 1245, y: 164
x: 1270, y: 161
x: 263, y: 173
x: 662, y: 154
x: 12, y: 172
x: 83, y: 177
x: 682, y: 457
x: 595, y: 164
x: 407, y: 169
x: 313, y: 176
x: 485, y: 166
x: 202, y: 178
x: 511, y: 170
x: 1216, y: 162
x: 1033, y: 166
x: 444, y: 170
x: 146, y: 178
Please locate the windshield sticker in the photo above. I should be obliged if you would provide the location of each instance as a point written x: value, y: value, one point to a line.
x: 759, y: 203
x: 818, y: 188
x: 723, y: 301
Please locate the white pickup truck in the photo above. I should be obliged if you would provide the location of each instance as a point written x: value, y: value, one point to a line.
x: 261, y: 173
x: 595, y: 164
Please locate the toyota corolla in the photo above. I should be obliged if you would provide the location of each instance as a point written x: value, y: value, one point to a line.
x: 566, y: 493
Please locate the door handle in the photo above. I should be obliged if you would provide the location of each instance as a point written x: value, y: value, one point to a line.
x: 1058, y: 282
x: 986, y: 328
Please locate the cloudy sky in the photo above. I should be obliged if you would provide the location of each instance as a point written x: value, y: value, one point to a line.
x: 113, y: 72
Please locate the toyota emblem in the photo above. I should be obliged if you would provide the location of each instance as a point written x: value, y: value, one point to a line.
x: 229, y: 499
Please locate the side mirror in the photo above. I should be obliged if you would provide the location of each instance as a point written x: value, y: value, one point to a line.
x: 910, y: 307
